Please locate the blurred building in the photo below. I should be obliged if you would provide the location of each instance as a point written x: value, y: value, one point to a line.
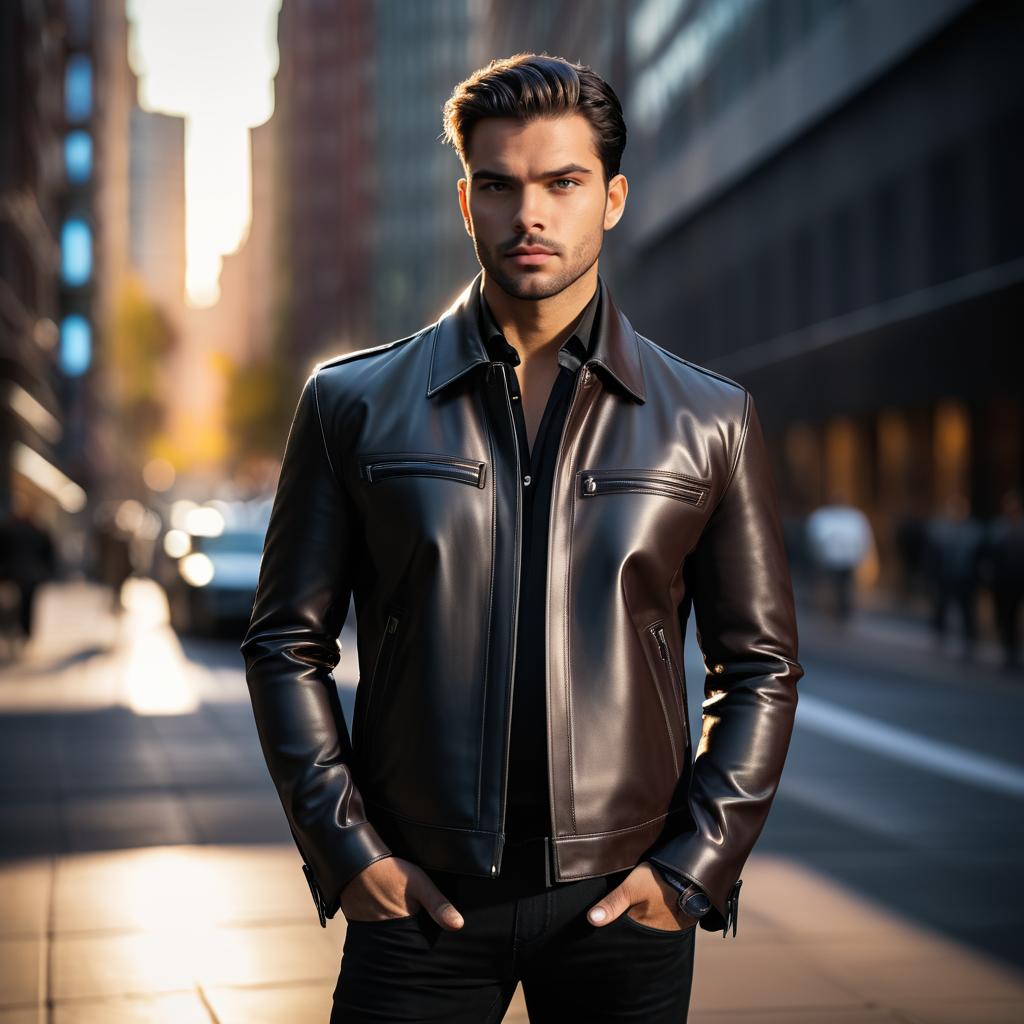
x: 826, y: 205
x: 423, y: 255
x: 261, y: 245
x: 246, y: 311
x: 325, y: 114
x: 374, y: 245
x: 156, y: 207
x: 46, y: 252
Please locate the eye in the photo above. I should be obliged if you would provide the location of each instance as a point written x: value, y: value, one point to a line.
x: 492, y: 184
x: 569, y: 180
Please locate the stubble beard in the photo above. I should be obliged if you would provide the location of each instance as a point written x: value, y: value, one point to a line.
x: 534, y: 285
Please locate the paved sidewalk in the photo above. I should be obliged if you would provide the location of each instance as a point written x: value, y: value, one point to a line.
x: 903, y: 636
x: 115, y: 915
x: 227, y: 934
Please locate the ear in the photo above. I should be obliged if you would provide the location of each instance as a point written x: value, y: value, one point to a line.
x: 615, y: 206
x: 467, y: 220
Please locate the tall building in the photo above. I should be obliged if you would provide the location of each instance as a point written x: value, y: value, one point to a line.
x: 46, y: 253
x: 836, y: 188
x: 156, y: 208
x: 374, y: 245
x: 422, y: 254
x: 261, y: 244
x: 325, y: 114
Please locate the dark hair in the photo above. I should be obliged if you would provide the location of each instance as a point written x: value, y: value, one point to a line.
x: 526, y: 86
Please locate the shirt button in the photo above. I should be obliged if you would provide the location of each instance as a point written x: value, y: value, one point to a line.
x: 719, y: 669
x: 526, y: 480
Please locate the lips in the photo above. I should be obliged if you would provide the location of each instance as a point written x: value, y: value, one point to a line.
x: 530, y: 255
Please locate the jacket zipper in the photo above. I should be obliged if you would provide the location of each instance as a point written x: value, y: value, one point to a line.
x: 657, y: 632
x: 677, y: 683
x: 607, y: 481
x: 378, y: 467
x: 515, y: 619
x: 583, y: 378
x: 378, y: 682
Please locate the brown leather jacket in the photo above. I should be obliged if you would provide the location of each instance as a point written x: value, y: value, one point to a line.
x: 394, y: 490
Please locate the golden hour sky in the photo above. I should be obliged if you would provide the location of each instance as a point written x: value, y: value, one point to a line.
x: 211, y: 62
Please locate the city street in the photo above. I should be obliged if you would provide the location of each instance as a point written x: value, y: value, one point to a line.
x: 148, y: 874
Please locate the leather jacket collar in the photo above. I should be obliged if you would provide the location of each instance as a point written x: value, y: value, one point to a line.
x: 456, y: 345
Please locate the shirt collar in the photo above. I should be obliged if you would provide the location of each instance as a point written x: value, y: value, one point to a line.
x: 571, y: 354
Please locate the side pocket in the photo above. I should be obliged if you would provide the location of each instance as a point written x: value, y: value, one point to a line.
x: 656, y: 636
x: 376, y: 695
x: 678, y: 685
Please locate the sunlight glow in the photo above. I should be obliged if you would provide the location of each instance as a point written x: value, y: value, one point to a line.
x: 158, y: 678
x: 213, y: 64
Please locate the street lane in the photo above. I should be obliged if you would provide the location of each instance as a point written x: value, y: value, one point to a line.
x: 904, y: 779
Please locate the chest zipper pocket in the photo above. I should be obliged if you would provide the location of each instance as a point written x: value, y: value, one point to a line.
x: 657, y: 631
x: 381, y: 466
x: 378, y: 681
x: 645, y: 481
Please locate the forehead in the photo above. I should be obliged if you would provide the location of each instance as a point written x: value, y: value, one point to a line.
x: 525, y: 147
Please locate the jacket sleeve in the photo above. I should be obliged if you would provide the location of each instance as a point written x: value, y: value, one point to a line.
x: 738, y: 580
x: 290, y: 650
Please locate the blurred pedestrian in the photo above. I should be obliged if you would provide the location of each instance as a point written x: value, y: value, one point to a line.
x: 839, y: 538
x: 1005, y: 551
x: 112, y: 553
x: 27, y: 559
x: 955, y: 540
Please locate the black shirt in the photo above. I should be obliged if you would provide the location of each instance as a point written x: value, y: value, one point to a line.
x: 527, y: 813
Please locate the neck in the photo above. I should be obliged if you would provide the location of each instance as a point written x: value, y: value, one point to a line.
x: 532, y: 326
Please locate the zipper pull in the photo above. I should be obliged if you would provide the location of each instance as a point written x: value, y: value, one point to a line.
x: 659, y: 635
x: 732, y: 909
x: 317, y: 898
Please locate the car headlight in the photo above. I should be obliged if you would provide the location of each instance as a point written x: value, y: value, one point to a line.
x: 196, y: 569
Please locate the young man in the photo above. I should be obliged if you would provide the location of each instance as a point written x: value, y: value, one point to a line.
x: 525, y: 498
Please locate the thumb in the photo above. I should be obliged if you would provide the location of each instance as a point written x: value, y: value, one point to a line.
x: 440, y: 908
x: 608, y: 907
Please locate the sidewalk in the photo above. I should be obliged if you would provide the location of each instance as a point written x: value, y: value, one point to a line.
x: 900, y: 638
x: 228, y: 934
x: 221, y: 931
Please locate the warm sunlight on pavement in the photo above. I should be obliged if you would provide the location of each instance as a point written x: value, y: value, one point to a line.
x: 158, y: 678
x: 228, y: 934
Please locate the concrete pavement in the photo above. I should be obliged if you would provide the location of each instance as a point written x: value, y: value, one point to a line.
x: 147, y: 873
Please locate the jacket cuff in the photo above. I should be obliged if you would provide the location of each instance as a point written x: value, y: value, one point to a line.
x: 687, y: 857
x: 357, y: 849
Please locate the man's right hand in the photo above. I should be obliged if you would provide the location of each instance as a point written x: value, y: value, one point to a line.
x: 393, y: 887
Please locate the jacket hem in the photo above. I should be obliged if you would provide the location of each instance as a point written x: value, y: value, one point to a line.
x: 465, y: 851
x: 601, y: 853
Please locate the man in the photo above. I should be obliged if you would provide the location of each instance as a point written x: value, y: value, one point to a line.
x: 525, y: 498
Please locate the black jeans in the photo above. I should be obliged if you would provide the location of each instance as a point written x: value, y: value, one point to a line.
x: 517, y: 929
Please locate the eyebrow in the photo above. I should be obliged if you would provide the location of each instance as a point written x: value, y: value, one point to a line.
x: 561, y: 172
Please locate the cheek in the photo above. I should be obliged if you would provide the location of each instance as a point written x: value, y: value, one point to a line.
x: 485, y: 228
x: 590, y: 241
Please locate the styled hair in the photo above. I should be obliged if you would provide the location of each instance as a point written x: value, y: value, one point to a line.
x: 527, y: 86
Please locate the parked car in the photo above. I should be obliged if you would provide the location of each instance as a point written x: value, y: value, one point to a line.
x: 211, y: 569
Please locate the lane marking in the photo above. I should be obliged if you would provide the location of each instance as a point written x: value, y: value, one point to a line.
x: 902, y: 745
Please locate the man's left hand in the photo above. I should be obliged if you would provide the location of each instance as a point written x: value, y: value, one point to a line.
x: 655, y: 899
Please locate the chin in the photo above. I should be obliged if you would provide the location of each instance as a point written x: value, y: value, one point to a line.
x: 531, y: 283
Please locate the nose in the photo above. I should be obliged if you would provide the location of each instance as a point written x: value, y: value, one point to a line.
x: 529, y: 217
